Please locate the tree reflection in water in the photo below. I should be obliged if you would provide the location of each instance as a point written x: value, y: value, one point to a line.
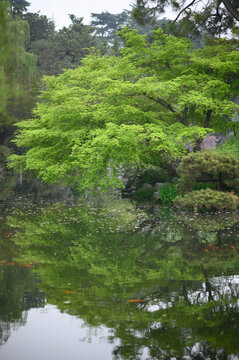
x: 182, y: 270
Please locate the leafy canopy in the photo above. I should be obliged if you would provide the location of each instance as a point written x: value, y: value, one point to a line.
x: 127, y: 110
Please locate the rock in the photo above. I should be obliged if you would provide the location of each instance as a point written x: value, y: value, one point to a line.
x: 156, y: 196
x: 158, y: 185
x: 147, y: 187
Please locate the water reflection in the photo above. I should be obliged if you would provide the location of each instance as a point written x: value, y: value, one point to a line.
x: 166, y: 286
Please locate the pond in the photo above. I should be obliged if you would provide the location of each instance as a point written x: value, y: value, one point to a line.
x: 109, y: 280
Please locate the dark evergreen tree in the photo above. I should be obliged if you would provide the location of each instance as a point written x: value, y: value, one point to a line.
x: 214, y: 16
x: 65, y: 48
x: 40, y: 26
x: 19, y: 6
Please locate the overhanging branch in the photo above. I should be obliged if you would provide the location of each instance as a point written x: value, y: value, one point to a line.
x: 230, y: 8
x: 164, y: 103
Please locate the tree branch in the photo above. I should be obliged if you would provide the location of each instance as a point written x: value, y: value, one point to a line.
x: 180, y: 12
x: 207, y: 118
x: 164, y: 103
x: 234, y: 12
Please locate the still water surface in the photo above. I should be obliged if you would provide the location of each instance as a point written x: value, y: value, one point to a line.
x: 111, y: 281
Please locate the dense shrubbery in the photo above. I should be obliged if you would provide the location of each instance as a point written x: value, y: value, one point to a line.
x: 209, y: 167
x: 167, y: 193
x: 142, y: 195
x: 207, y: 200
x: 204, y: 185
x: 152, y: 176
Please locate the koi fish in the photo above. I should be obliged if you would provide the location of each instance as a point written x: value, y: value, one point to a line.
x: 212, y: 247
x: 233, y: 247
x: 26, y: 265
x: 134, y: 300
x: 68, y: 291
x: 205, y: 250
x: 10, y: 263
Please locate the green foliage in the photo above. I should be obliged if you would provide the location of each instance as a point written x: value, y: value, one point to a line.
x: 143, y: 195
x: 204, y: 185
x: 136, y: 109
x: 151, y: 176
x: 211, y: 167
x: 167, y: 193
x: 5, y: 45
x: 17, y: 69
x: 207, y: 200
x: 231, y: 146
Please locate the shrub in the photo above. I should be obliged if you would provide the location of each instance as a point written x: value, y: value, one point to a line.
x: 204, y: 185
x: 207, y: 200
x: 143, y: 195
x: 151, y: 176
x: 209, y: 167
x: 167, y: 193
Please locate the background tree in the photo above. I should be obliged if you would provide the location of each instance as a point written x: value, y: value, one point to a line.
x: 18, y: 6
x: 17, y: 86
x: 106, y: 24
x: 40, y: 26
x: 17, y: 70
x: 65, y: 48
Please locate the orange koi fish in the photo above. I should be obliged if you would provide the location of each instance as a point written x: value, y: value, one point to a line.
x: 26, y: 265
x: 10, y: 263
x: 68, y: 291
x: 134, y: 300
x: 212, y: 247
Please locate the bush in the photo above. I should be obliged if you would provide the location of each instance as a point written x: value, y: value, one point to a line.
x: 207, y: 200
x: 210, y: 166
x: 167, y: 193
x: 151, y: 176
x: 204, y: 185
x: 143, y: 195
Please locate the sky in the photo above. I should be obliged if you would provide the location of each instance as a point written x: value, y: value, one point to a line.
x: 59, y: 9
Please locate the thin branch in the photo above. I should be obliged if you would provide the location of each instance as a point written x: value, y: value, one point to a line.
x: 180, y: 12
x: 169, y: 107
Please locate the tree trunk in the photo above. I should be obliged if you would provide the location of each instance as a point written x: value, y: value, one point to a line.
x: 207, y: 118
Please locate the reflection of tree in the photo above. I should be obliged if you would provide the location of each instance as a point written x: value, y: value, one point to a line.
x: 18, y: 293
x: 94, y: 260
